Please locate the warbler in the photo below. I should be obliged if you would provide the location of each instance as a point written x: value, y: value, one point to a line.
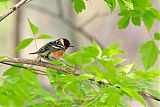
x: 53, y: 50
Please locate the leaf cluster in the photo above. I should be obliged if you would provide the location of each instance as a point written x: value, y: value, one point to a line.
x: 71, y: 90
x: 134, y: 10
x: 21, y: 87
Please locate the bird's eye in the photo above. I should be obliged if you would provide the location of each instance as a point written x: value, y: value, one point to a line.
x: 57, y: 42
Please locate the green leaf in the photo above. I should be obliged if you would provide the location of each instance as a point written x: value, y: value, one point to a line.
x: 94, y: 43
x: 23, y: 44
x: 149, y: 54
x: 13, y: 79
x: 117, y: 61
x: 126, y: 68
x: 11, y: 71
x: 148, y: 75
x: 30, y: 78
x: 136, y: 20
x: 141, y: 4
x: 3, y: 59
x: 45, y: 36
x: 112, y: 52
x: 115, y: 100
x: 157, y: 36
x: 111, y: 71
x: 3, y: 0
x: 111, y: 4
x: 128, y: 4
x: 47, y: 96
x: 4, y: 100
x: 85, y: 76
x: 123, y: 22
x: 79, y: 5
x: 125, y: 13
x: 33, y: 27
x: 134, y: 94
x: 148, y: 19
x: 79, y: 58
x: 90, y: 51
x: 156, y: 13
x: 4, y: 3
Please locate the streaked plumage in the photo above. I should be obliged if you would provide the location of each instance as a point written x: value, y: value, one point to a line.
x: 54, y: 49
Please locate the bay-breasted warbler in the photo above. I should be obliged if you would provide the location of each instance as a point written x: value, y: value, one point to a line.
x: 54, y: 49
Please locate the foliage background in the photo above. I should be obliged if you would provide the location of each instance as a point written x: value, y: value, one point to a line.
x: 105, y: 29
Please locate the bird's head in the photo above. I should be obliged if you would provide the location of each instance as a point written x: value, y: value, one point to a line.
x: 64, y: 42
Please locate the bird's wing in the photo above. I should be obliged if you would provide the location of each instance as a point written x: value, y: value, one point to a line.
x: 50, y: 47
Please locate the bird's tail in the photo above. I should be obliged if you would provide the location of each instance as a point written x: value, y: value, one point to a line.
x: 33, y: 53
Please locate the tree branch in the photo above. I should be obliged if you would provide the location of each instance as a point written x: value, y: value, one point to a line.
x: 92, y: 18
x: 13, y: 9
x: 38, y: 63
x: 25, y: 68
x: 60, y: 8
x: 5, y: 59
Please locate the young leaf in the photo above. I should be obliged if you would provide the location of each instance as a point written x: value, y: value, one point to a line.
x: 13, y: 79
x: 136, y: 20
x: 126, y: 68
x: 45, y: 36
x: 3, y: 0
x: 23, y: 44
x: 4, y: 3
x: 157, y: 36
x: 123, y: 22
x: 134, y: 94
x: 79, y: 5
x: 12, y: 70
x: 30, y: 77
x: 128, y: 4
x: 94, y: 43
x: 33, y: 27
x: 156, y: 13
x: 115, y: 100
x: 85, y: 76
x: 111, y: 4
x: 111, y: 71
x: 112, y: 52
x: 3, y: 59
x: 149, y: 54
x: 148, y: 19
x: 90, y: 51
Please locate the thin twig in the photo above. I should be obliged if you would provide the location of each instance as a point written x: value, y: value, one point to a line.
x: 63, y: 69
x: 28, y: 1
x: 92, y: 18
x: 39, y: 63
x: 25, y: 68
x: 148, y: 95
x: 60, y: 7
x: 35, y: 42
x: 12, y: 9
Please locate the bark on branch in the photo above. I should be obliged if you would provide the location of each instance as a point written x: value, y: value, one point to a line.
x: 13, y: 9
x: 7, y: 60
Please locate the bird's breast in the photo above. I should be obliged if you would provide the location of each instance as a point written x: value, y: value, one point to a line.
x: 57, y: 54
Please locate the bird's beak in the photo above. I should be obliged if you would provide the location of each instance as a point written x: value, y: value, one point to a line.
x: 71, y: 46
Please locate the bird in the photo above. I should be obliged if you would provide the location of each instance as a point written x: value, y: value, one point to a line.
x: 53, y: 50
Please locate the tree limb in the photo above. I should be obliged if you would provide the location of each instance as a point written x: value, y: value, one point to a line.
x: 60, y: 8
x: 42, y: 72
x: 5, y: 59
x: 38, y: 63
x: 13, y: 9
